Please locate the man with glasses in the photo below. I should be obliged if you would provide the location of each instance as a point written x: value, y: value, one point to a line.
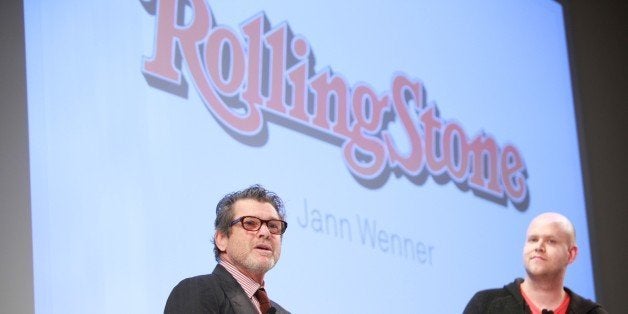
x: 247, y: 244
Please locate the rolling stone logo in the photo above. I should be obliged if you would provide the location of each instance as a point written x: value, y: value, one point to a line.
x: 260, y: 74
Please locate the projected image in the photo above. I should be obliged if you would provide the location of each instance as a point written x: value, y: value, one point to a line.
x: 411, y: 142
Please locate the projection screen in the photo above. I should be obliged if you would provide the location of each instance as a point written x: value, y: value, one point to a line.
x: 412, y: 142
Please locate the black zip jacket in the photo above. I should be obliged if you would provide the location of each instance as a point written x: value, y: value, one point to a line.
x: 509, y: 300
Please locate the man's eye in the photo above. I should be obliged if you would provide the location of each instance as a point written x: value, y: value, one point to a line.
x: 250, y: 223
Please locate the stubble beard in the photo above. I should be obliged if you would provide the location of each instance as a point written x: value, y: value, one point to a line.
x: 259, y: 266
x: 255, y: 264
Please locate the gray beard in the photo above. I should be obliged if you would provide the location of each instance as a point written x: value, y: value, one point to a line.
x: 259, y: 267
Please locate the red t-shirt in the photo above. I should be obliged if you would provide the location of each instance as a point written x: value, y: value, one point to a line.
x: 561, y: 309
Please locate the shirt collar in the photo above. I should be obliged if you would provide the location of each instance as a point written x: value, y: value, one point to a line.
x: 249, y: 285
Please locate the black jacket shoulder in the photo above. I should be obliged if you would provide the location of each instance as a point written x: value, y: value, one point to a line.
x: 501, y: 300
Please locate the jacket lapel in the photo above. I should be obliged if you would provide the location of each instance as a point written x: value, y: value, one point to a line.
x: 236, y: 295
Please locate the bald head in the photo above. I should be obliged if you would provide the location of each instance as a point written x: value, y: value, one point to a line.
x: 558, y: 220
x: 549, y: 248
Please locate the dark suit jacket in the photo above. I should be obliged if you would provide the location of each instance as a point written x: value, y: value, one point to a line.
x: 217, y: 292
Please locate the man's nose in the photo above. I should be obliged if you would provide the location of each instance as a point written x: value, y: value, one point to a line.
x: 264, y: 231
x: 540, y: 247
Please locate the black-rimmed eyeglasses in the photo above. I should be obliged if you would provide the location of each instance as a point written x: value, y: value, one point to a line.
x: 251, y: 223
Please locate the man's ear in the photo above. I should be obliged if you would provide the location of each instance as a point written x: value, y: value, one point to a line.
x: 221, y: 240
x: 573, y: 252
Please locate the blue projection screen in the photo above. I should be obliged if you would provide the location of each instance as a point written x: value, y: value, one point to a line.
x: 412, y: 142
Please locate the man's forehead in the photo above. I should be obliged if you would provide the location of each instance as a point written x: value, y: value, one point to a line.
x: 547, y: 229
x: 546, y: 234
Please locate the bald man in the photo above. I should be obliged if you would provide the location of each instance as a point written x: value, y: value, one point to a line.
x: 550, y: 247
